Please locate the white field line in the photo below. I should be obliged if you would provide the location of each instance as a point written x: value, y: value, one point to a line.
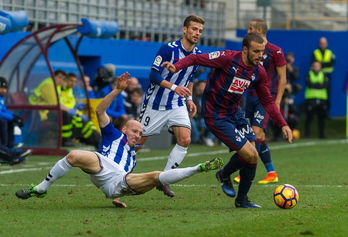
x: 276, y: 147
x: 184, y: 185
x: 225, y: 150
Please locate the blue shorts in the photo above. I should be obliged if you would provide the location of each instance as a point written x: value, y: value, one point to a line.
x: 255, y: 113
x: 234, y: 130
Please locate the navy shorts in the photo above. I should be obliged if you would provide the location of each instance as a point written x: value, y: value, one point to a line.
x: 234, y: 130
x: 255, y: 113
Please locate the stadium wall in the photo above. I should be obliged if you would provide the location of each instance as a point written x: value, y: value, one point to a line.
x: 136, y: 56
x: 128, y: 55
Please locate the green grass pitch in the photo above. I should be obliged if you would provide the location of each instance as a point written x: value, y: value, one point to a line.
x: 74, y: 207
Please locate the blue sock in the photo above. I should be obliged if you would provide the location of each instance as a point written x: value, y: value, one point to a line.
x: 247, y: 175
x: 236, y: 163
x: 265, y: 156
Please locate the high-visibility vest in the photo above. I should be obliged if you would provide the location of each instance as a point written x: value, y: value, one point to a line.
x: 35, y: 97
x: 324, y: 58
x: 311, y: 93
x: 68, y: 98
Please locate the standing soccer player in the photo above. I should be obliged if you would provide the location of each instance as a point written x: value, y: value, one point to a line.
x: 168, y: 97
x: 275, y: 64
x: 233, y: 74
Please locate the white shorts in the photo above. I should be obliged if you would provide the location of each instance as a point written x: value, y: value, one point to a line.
x: 154, y: 120
x: 111, y: 179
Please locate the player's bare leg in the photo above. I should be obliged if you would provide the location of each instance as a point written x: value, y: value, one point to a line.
x: 144, y: 182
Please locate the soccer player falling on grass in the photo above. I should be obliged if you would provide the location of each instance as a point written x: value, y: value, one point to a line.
x: 107, y: 172
x: 234, y: 71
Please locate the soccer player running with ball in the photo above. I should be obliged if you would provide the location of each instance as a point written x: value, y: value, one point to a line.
x: 109, y: 171
x: 233, y: 73
x: 274, y: 63
x: 169, y: 95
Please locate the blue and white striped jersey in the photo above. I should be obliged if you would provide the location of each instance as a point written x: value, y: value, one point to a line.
x: 160, y: 98
x: 114, y: 145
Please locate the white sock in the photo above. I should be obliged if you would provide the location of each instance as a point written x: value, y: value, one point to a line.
x: 175, y: 175
x: 175, y: 157
x: 61, y: 168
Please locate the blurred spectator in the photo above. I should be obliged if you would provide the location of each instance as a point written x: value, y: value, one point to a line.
x: 289, y: 111
x: 199, y: 131
x: 45, y: 93
x: 13, y: 157
x: 103, y: 77
x: 79, y: 91
x: 292, y: 74
x: 8, y: 119
x: 136, y: 97
x: 83, y: 129
x: 133, y: 97
x: 116, y: 110
x: 316, y: 99
x: 327, y: 60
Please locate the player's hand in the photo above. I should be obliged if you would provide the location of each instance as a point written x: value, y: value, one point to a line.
x: 192, y: 108
x: 287, y: 133
x: 122, y: 81
x: 117, y: 203
x: 278, y: 105
x: 182, y: 91
x: 169, y: 66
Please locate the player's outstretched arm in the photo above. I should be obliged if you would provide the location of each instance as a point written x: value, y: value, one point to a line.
x: 121, y: 84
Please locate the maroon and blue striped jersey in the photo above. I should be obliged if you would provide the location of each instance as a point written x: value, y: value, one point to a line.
x: 228, y: 81
x: 273, y: 57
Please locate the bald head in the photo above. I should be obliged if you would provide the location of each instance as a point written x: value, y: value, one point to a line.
x: 323, y: 43
x: 133, y: 83
x: 133, y: 130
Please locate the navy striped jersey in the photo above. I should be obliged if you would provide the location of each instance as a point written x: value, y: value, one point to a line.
x: 114, y: 145
x: 273, y: 57
x: 228, y: 81
x: 160, y: 98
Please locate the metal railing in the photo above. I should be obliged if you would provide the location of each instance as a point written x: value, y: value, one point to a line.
x: 295, y: 14
x: 152, y: 20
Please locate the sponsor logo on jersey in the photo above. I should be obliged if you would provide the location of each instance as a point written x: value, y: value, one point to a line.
x: 157, y: 61
x: 238, y: 85
x: 279, y: 51
x: 214, y: 55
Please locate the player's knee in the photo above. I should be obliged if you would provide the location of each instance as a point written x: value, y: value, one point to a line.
x: 73, y: 157
x: 254, y: 157
x: 251, y: 157
x: 184, y: 141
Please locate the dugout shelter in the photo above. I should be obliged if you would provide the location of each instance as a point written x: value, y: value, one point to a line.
x: 24, y: 69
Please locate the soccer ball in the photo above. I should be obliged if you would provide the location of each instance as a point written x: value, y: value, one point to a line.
x: 285, y: 196
x: 296, y: 134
